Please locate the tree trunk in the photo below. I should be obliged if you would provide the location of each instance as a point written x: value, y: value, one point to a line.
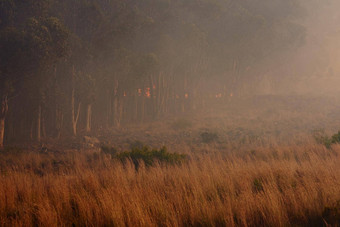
x: 115, y: 110
x: 75, y: 112
x: 75, y: 116
x: 2, y: 132
x: 142, y: 110
x: 88, y: 117
x: 109, y: 109
x: 59, y: 122
x: 118, y: 106
x: 39, y: 124
x: 135, y: 116
x: 120, y: 111
x: 43, y: 125
x: 3, y: 112
x: 31, y: 131
x: 153, y: 105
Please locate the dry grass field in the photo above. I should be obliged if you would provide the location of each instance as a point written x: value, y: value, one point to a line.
x: 287, y: 186
x: 238, y: 173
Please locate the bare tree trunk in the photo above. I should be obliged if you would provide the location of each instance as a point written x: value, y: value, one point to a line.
x: 31, y: 131
x: 3, y: 112
x: 43, y: 125
x: 135, y: 117
x: 109, y: 109
x: 57, y: 112
x: 152, y: 108
x: 165, y: 97
x: 88, y: 117
x: 2, y: 131
x: 75, y: 112
x: 59, y: 122
x: 120, y: 112
x: 115, y: 110
x: 39, y: 124
x: 75, y: 116
x: 118, y: 107
x: 142, y: 110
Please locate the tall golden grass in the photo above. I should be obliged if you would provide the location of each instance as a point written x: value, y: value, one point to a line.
x: 275, y: 186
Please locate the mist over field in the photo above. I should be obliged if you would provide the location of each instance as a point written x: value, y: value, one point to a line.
x: 169, y: 113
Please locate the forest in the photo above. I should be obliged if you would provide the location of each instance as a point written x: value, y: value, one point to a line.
x: 169, y: 113
x: 70, y: 67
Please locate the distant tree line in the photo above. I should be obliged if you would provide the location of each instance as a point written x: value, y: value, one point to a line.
x: 70, y: 67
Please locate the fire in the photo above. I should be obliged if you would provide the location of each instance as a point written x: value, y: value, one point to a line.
x: 186, y: 96
x: 147, y: 92
x: 231, y: 94
x: 139, y: 92
x: 218, y: 95
x: 124, y: 94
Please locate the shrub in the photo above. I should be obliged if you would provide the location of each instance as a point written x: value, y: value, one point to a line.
x: 327, y: 141
x: 336, y: 138
x: 181, y: 124
x: 149, y: 156
x: 136, y: 144
x: 321, y: 138
x: 109, y: 150
x: 11, y: 150
x: 331, y: 215
x: 257, y: 186
x: 209, y: 137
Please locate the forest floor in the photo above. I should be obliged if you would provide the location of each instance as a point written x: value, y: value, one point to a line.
x: 255, y: 121
x: 251, y: 162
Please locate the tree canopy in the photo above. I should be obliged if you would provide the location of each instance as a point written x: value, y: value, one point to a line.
x: 106, y: 62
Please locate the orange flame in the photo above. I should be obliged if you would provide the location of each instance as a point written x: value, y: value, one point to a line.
x: 147, y: 92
